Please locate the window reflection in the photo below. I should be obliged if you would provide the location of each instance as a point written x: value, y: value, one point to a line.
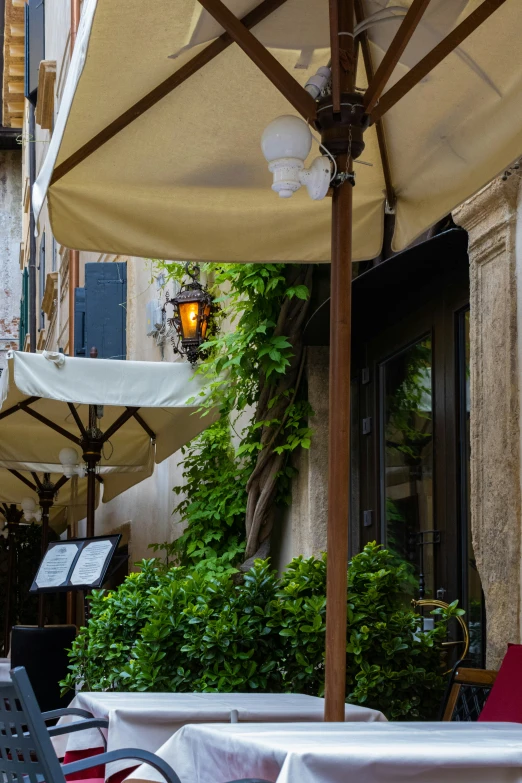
x: 407, y: 429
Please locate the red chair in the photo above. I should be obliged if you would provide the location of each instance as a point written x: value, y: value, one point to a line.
x: 504, y: 703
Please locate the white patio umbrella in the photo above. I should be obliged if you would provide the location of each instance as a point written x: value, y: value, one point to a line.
x: 169, y: 164
x: 51, y: 499
x: 69, y: 496
x: 121, y: 416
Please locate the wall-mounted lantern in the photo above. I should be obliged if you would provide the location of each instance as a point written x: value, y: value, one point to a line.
x: 192, y: 308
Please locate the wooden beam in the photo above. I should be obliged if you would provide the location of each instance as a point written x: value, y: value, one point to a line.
x: 436, y: 56
x: 394, y: 53
x: 17, y: 407
x: 36, y: 479
x: 143, y: 424
x: 76, y: 417
x: 51, y: 424
x: 251, y: 19
x: 23, y: 479
x: 127, y: 414
x: 61, y: 481
x: 379, y: 127
x: 295, y: 94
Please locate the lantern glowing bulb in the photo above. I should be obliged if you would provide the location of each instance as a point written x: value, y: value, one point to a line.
x: 69, y: 459
x: 286, y: 143
x: 189, y: 312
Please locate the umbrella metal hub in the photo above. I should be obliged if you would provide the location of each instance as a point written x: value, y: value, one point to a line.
x: 342, y: 132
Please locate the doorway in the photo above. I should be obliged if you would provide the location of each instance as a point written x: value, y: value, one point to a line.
x: 410, y: 414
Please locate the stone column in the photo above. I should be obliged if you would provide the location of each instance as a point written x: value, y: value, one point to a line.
x: 490, y: 217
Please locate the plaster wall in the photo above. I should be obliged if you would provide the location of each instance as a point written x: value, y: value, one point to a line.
x: 10, y: 238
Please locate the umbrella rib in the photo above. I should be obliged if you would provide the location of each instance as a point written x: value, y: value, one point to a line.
x: 18, y: 407
x: 394, y: 53
x: 49, y: 423
x: 61, y: 481
x: 23, y: 479
x: 294, y: 93
x: 436, y: 56
x: 36, y: 479
x: 120, y: 421
x: 77, y: 419
x: 379, y: 126
x: 144, y: 425
x: 251, y: 19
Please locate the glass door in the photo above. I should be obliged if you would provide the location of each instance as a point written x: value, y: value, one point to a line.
x: 407, y: 461
x: 411, y: 432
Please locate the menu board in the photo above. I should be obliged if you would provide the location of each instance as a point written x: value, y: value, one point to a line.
x: 77, y: 564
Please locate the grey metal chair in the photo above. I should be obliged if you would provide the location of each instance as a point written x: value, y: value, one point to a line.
x: 26, y: 751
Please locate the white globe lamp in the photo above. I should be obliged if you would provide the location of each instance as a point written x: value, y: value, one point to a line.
x: 69, y: 459
x: 31, y: 512
x: 286, y: 143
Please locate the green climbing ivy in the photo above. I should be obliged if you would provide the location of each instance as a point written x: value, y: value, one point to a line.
x: 213, y: 502
x: 243, y: 361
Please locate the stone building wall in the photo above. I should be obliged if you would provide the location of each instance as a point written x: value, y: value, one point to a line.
x: 10, y: 238
x: 493, y: 219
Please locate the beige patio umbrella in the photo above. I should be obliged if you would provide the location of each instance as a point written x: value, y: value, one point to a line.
x: 168, y: 164
x: 122, y: 417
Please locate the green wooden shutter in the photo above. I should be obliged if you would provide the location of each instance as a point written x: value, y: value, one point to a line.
x: 106, y: 310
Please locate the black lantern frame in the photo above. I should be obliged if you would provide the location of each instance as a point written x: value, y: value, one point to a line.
x: 193, y: 308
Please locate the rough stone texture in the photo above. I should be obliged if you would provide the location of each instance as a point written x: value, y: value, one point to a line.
x: 490, y: 218
x: 303, y: 527
x: 10, y: 238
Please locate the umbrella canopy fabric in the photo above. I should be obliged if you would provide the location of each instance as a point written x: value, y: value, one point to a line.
x: 69, y: 504
x: 159, y: 391
x: 187, y: 180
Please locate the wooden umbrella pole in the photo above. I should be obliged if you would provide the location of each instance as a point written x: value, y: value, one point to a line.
x: 9, y: 592
x: 12, y: 517
x: 92, y: 444
x: 45, y: 540
x: 91, y: 497
x: 339, y: 413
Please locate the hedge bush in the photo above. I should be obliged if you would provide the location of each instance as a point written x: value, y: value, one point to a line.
x: 178, y: 629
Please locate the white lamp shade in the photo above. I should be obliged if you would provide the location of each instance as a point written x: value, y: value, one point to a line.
x: 286, y: 137
x: 68, y: 457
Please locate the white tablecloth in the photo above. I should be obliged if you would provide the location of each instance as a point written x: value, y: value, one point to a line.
x: 345, y: 753
x: 148, y: 720
x: 5, y: 670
